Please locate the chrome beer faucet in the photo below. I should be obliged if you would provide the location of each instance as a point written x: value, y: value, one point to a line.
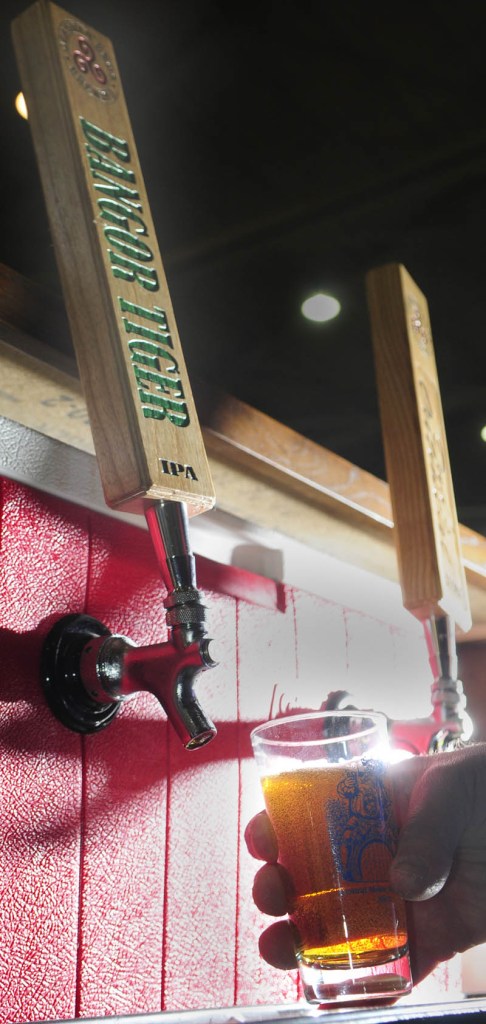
x: 88, y: 672
x: 449, y: 722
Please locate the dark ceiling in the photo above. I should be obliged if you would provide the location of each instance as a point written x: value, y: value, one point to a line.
x: 289, y: 147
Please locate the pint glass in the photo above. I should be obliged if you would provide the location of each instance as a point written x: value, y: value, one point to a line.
x: 324, y: 780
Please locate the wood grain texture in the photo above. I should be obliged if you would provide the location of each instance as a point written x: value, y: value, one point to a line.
x: 417, y: 460
x: 146, y: 432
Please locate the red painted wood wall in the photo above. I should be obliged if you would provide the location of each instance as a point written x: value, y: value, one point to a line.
x: 125, y: 885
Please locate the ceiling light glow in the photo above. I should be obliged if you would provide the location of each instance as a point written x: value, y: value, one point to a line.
x: 482, y: 433
x: 21, y: 106
x: 320, y: 308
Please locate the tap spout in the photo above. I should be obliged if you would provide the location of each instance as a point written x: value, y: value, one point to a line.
x: 88, y: 672
x: 113, y: 668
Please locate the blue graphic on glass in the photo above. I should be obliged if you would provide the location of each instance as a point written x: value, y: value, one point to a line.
x: 361, y: 817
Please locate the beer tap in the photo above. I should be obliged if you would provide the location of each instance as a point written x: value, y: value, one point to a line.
x: 88, y: 673
x: 449, y: 721
x: 447, y: 694
x: 145, y: 427
x: 430, y: 567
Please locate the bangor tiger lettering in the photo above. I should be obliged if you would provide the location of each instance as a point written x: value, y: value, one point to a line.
x: 156, y: 370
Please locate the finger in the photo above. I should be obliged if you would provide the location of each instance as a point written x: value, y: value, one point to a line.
x: 277, y: 945
x: 272, y: 890
x: 403, y: 776
x: 260, y: 838
x: 437, y: 817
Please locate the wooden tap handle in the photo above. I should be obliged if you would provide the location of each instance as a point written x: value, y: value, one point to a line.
x: 417, y: 459
x: 145, y: 427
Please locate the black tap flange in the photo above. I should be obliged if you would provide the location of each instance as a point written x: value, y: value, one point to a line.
x: 61, y: 676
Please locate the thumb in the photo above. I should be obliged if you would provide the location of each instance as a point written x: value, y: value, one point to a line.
x: 431, y: 833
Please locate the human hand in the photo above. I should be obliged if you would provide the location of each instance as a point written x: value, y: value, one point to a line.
x: 439, y: 867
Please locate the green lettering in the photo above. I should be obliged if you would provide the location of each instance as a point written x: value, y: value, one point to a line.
x: 130, y: 245
x: 161, y: 382
x: 145, y: 351
x: 156, y: 313
x: 130, y: 270
x: 103, y: 163
x: 104, y: 141
x: 174, y: 383
x: 115, y: 189
x: 147, y: 332
x: 120, y: 214
x: 157, y: 407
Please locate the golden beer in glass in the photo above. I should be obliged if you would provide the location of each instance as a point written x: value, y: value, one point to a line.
x: 324, y: 780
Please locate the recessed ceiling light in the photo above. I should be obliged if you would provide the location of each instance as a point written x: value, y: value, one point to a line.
x: 320, y: 307
x: 482, y: 433
x: 21, y: 106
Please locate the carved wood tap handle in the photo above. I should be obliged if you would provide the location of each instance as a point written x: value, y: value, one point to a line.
x: 145, y: 427
x: 417, y: 459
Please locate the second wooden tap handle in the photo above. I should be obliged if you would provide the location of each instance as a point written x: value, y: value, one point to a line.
x: 417, y: 460
x: 145, y: 427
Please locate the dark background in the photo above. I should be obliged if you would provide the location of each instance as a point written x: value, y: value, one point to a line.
x: 289, y: 147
